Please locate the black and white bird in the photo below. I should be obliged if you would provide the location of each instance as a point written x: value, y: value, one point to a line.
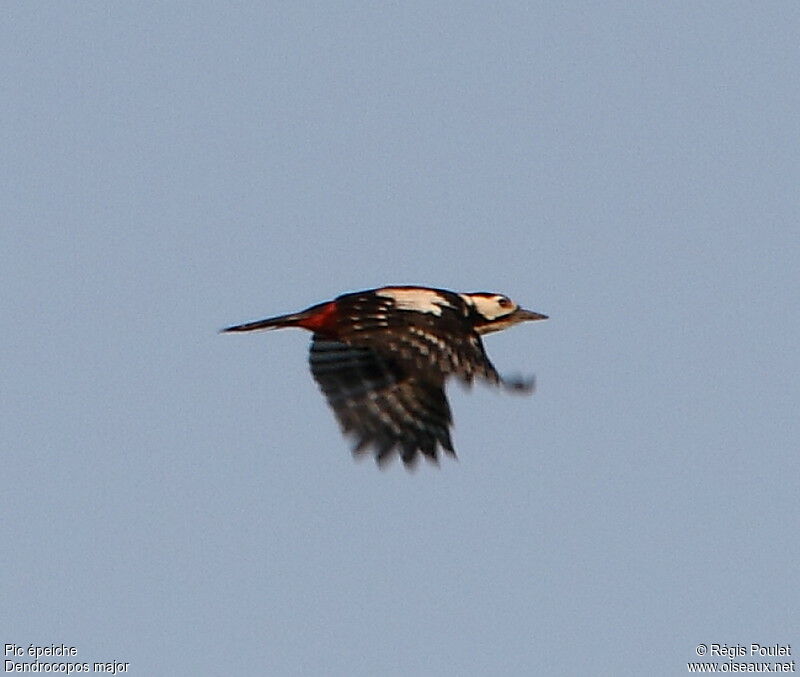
x: 382, y: 357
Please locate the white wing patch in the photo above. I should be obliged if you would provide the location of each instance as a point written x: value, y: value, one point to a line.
x: 420, y: 300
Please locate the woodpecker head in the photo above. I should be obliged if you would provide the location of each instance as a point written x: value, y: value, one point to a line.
x: 493, y: 312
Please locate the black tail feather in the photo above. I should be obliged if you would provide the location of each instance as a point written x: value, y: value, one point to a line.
x: 263, y: 325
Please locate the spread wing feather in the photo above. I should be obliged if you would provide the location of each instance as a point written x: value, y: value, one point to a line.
x: 382, y: 403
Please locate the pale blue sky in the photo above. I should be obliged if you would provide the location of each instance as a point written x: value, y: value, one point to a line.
x: 183, y: 500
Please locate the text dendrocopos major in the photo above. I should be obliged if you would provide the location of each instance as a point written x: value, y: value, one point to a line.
x: 382, y: 356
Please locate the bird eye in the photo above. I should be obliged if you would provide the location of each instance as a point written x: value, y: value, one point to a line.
x: 503, y: 302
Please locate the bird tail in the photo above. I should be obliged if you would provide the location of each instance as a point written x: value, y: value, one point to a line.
x: 304, y: 319
x: 263, y: 325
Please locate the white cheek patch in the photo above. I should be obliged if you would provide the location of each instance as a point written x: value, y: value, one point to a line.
x: 420, y: 300
x: 490, y: 308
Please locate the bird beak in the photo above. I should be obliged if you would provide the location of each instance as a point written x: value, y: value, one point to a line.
x: 522, y: 315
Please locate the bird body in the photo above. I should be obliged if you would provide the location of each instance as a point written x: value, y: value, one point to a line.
x: 382, y: 356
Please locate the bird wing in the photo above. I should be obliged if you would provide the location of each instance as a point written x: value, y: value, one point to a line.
x: 381, y: 402
x: 443, y: 343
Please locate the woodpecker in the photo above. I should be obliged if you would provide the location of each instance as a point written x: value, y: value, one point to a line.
x: 382, y: 356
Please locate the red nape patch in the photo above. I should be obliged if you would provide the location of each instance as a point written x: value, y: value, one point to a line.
x: 322, y: 319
